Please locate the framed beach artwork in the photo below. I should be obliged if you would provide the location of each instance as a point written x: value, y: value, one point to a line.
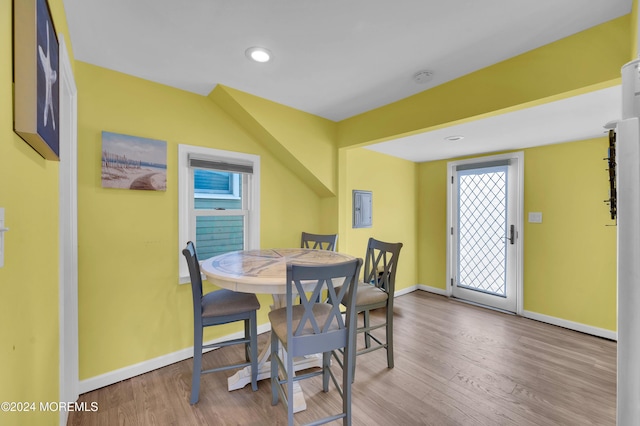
x: 131, y: 162
x: 36, y: 118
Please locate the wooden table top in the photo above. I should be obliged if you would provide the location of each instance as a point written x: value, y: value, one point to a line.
x: 263, y: 271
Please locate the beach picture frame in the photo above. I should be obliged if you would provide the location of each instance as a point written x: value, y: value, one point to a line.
x: 132, y: 162
x: 36, y: 78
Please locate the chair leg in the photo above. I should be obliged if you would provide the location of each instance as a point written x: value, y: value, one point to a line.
x: 197, y: 364
x: 389, y: 338
x: 326, y: 364
x: 351, y: 354
x: 367, y: 324
x: 348, y: 373
x: 290, y: 373
x: 247, y: 335
x: 274, y: 369
x: 253, y: 337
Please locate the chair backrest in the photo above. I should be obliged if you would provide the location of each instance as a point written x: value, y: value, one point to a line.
x: 381, y: 263
x: 196, y: 279
x: 322, y: 327
x: 319, y: 241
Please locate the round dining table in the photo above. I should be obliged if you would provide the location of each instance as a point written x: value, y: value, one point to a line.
x: 265, y: 272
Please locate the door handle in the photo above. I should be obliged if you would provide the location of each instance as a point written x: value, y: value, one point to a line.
x: 512, y: 235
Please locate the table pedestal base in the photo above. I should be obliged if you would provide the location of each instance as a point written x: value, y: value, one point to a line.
x: 265, y: 272
x: 243, y: 377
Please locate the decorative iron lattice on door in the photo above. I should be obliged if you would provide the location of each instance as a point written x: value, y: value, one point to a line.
x: 482, y: 227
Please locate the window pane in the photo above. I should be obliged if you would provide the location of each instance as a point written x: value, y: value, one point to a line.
x: 217, y: 203
x: 218, y: 234
x: 211, y: 182
x: 217, y: 190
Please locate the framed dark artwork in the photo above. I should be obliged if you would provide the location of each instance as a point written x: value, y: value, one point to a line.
x: 36, y: 77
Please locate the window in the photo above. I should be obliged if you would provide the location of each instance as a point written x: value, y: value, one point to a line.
x: 219, y: 202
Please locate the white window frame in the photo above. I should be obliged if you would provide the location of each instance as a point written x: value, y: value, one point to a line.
x: 186, y: 211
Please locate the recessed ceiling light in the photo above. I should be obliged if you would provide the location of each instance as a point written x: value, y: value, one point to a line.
x: 258, y: 54
x: 454, y: 138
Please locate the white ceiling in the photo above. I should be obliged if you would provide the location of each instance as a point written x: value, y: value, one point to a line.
x: 332, y: 58
x: 572, y: 119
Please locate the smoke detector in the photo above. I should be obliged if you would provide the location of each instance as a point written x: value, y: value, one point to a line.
x: 423, y: 76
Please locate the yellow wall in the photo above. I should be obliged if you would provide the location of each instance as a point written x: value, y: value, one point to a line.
x: 570, y: 258
x: 634, y: 30
x: 312, y: 192
x: 29, y: 279
x: 304, y: 143
x: 432, y: 223
x: 393, y: 183
x: 298, y: 138
x: 590, y: 57
x: 131, y: 306
x: 580, y: 63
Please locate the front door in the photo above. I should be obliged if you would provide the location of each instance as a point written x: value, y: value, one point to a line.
x: 484, y: 218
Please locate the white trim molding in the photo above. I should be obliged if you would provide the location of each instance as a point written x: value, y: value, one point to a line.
x: 571, y: 325
x: 68, y: 233
x: 130, y: 371
x: 186, y: 229
x: 628, y: 268
x: 434, y: 290
x: 406, y: 290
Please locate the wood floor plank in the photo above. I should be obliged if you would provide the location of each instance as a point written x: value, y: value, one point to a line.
x: 455, y: 364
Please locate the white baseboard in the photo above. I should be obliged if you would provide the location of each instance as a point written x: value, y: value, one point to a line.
x: 434, y: 290
x: 422, y: 287
x: 130, y: 371
x: 121, y: 374
x: 404, y: 291
x: 576, y: 326
x: 115, y: 376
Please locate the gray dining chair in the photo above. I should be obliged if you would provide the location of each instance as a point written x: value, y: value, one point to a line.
x: 374, y: 292
x: 217, y: 308
x: 312, y: 327
x: 319, y: 241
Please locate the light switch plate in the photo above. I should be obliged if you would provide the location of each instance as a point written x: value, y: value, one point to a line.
x: 535, y: 217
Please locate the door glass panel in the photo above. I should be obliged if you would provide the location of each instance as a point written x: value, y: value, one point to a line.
x: 482, y: 226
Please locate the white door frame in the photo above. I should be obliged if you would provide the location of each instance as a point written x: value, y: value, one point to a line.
x: 628, y: 176
x: 68, y: 233
x: 451, y: 172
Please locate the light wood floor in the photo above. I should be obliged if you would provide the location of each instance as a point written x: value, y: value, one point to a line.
x: 455, y: 364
